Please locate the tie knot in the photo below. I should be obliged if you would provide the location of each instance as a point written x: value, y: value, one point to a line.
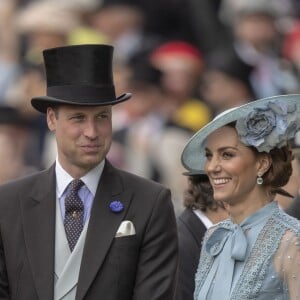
x: 75, y: 185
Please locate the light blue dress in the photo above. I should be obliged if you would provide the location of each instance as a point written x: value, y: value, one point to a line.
x: 257, y: 259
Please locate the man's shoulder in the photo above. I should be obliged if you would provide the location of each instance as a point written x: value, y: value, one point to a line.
x: 23, y: 182
x: 136, y: 180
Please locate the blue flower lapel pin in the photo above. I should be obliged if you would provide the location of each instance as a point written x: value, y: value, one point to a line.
x: 116, y: 206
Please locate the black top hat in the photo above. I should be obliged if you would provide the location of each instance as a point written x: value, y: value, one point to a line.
x: 79, y: 75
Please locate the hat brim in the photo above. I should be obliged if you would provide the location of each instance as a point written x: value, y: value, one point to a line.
x: 42, y: 103
x: 195, y: 173
x: 193, y: 155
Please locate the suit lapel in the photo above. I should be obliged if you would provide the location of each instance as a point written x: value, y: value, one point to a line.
x: 62, y: 249
x: 103, y: 225
x: 194, y: 224
x: 38, y: 211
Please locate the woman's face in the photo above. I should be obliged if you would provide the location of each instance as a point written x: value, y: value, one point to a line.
x: 231, y: 166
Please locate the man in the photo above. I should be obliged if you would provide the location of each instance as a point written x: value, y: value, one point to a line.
x: 118, y: 240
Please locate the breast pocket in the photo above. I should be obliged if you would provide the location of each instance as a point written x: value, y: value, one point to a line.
x: 125, y: 247
x: 123, y: 259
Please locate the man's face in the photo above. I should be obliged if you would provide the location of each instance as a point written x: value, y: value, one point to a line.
x: 257, y: 30
x: 83, y: 136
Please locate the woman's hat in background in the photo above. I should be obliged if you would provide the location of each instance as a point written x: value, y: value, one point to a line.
x: 177, y: 52
x: 291, y: 42
x: 177, y: 48
x: 264, y: 124
x: 79, y: 75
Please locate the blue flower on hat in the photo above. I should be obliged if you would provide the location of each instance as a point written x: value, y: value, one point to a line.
x: 270, y: 126
x: 116, y: 206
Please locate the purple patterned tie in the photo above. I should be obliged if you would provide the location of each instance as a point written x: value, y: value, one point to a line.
x: 74, y: 211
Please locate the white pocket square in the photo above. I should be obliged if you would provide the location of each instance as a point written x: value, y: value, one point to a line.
x: 126, y: 228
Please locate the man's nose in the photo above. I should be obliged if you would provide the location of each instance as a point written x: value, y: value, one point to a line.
x: 90, y: 130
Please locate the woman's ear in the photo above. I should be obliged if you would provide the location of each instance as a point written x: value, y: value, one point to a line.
x: 264, y: 163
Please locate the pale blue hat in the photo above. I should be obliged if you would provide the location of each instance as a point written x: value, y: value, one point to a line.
x: 264, y: 124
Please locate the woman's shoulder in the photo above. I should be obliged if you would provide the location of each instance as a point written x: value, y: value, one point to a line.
x: 289, y: 222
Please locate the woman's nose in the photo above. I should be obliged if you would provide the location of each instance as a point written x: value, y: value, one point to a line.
x: 213, y: 165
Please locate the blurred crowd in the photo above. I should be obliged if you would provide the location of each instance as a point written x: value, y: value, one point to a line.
x: 184, y: 61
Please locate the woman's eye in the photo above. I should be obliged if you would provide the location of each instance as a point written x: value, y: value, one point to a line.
x: 208, y: 155
x: 227, y: 155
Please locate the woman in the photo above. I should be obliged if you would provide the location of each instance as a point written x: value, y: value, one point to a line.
x: 201, y: 212
x: 256, y: 253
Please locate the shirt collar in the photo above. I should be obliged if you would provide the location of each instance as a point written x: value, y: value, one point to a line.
x: 91, y: 179
x: 204, y: 219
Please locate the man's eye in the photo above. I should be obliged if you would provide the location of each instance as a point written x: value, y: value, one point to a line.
x: 103, y: 116
x: 77, y: 118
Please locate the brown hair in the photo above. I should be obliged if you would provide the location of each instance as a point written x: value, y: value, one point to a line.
x: 199, y: 194
x: 280, y: 170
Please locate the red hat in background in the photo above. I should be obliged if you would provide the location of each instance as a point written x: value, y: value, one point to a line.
x: 177, y: 48
x: 291, y: 40
x: 177, y: 55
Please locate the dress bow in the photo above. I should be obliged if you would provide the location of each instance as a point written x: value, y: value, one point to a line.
x: 234, y: 234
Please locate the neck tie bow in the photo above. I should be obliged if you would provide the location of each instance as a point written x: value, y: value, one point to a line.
x: 234, y: 234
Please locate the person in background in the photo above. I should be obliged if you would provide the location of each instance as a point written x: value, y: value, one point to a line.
x: 201, y: 212
x: 122, y: 23
x: 290, y: 52
x: 181, y: 64
x: 226, y: 80
x: 257, y: 40
x: 14, y: 133
x: 83, y: 229
x: 9, y: 48
x: 293, y: 206
x: 41, y: 25
x: 246, y: 154
x: 133, y: 144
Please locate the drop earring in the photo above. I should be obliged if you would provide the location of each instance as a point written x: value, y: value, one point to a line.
x: 259, y: 179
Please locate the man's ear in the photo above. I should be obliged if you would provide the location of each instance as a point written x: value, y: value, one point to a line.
x: 51, y: 119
